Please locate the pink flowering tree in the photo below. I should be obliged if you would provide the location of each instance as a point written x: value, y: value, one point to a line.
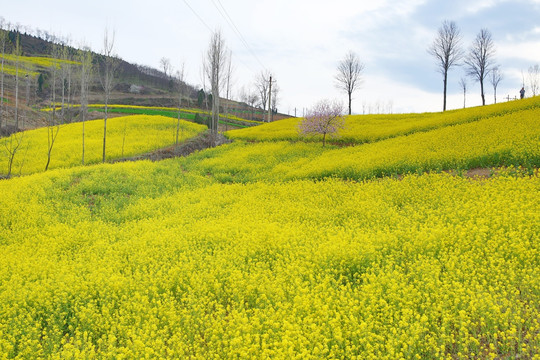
x: 325, y: 118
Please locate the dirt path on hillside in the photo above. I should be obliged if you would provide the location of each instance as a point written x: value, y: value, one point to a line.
x: 197, y: 143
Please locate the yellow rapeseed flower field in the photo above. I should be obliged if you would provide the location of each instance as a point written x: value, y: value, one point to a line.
x: 38, y: 61
x: 369, y: 128
x: 145, y: 260
x: 281, y: 250
x: 126, y: 136
x: 139, y: 107
x: 512, y: 139
x: 12, y: 70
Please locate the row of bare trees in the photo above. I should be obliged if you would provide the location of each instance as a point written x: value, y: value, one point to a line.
x: 13, y: 144
x: 479, y: 61
x: 67, y: 67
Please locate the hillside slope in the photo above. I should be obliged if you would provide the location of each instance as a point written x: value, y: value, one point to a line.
x: 134, y: 84
x: 280, y: 250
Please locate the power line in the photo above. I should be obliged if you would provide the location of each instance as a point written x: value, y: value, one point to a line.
x: 235, y: 29
x: 197, y: 15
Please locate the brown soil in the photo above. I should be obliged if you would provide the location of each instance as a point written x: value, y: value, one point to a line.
x: 198, y: 143
x: 480, y: 173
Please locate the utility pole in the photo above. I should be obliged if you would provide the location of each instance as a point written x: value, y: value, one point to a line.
x: 270, y: 100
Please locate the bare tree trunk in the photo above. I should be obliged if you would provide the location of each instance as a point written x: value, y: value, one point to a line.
x: 17, y: 54
x: 3, y: 39
x: 214, y: 68
x: 107, y: 80
x: 86, y: 70
x: 270, y: 100
x: 105, y: 125
x: 14, y: 142
x: 180, y: 89
x: 445, y: 81
x: 63, y: 84
x: 482, y: 92
x: 27, y: 116
x: 53, y: 128
x: 228, y: 86
x: 83, y: 134
x: 69, y: 92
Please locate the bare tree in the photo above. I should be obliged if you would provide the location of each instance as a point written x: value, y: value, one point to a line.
x: 349, y: 76
x: 214, y: 65
x: 166, y: 66
x: 463, y: 84
x: 3, y: 42
x: 68, y: 82
x: 53, y: 127
x: 180, y: 88
x: 495, y: 79
x: 262, y: 83
x: 325, y: 118
x: 12, y: 146
x: 110, y: 64
x: 446, y: 48
x: 228, y: 81
x: 250, y: 97
x: 27, y: 102
x: 480, y: 60
x: 534, y: 79
x: 17, y: 52
x: 63, y: 79
x: 275, y: 99
x: 85, y: 58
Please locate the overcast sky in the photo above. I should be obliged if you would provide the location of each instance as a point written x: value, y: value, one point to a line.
x: 302, y: 41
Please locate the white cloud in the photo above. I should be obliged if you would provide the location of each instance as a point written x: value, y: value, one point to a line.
x: 301, y: 41
x: 528, y: 51
x: 474, y: 7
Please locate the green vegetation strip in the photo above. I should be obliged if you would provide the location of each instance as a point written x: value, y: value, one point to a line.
x: 168, y: 113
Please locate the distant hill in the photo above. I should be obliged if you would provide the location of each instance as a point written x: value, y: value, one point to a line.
x: 134, y: 84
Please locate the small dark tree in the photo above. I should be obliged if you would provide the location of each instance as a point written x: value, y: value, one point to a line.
x: 200, y: 98
x: 325, y: 118
x: 40, y: 82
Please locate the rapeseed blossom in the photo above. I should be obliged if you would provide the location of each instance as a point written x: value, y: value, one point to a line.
x: 126, y: 136
x: 371, y: 128
x: 96, y: 263
x: 283, y: 250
